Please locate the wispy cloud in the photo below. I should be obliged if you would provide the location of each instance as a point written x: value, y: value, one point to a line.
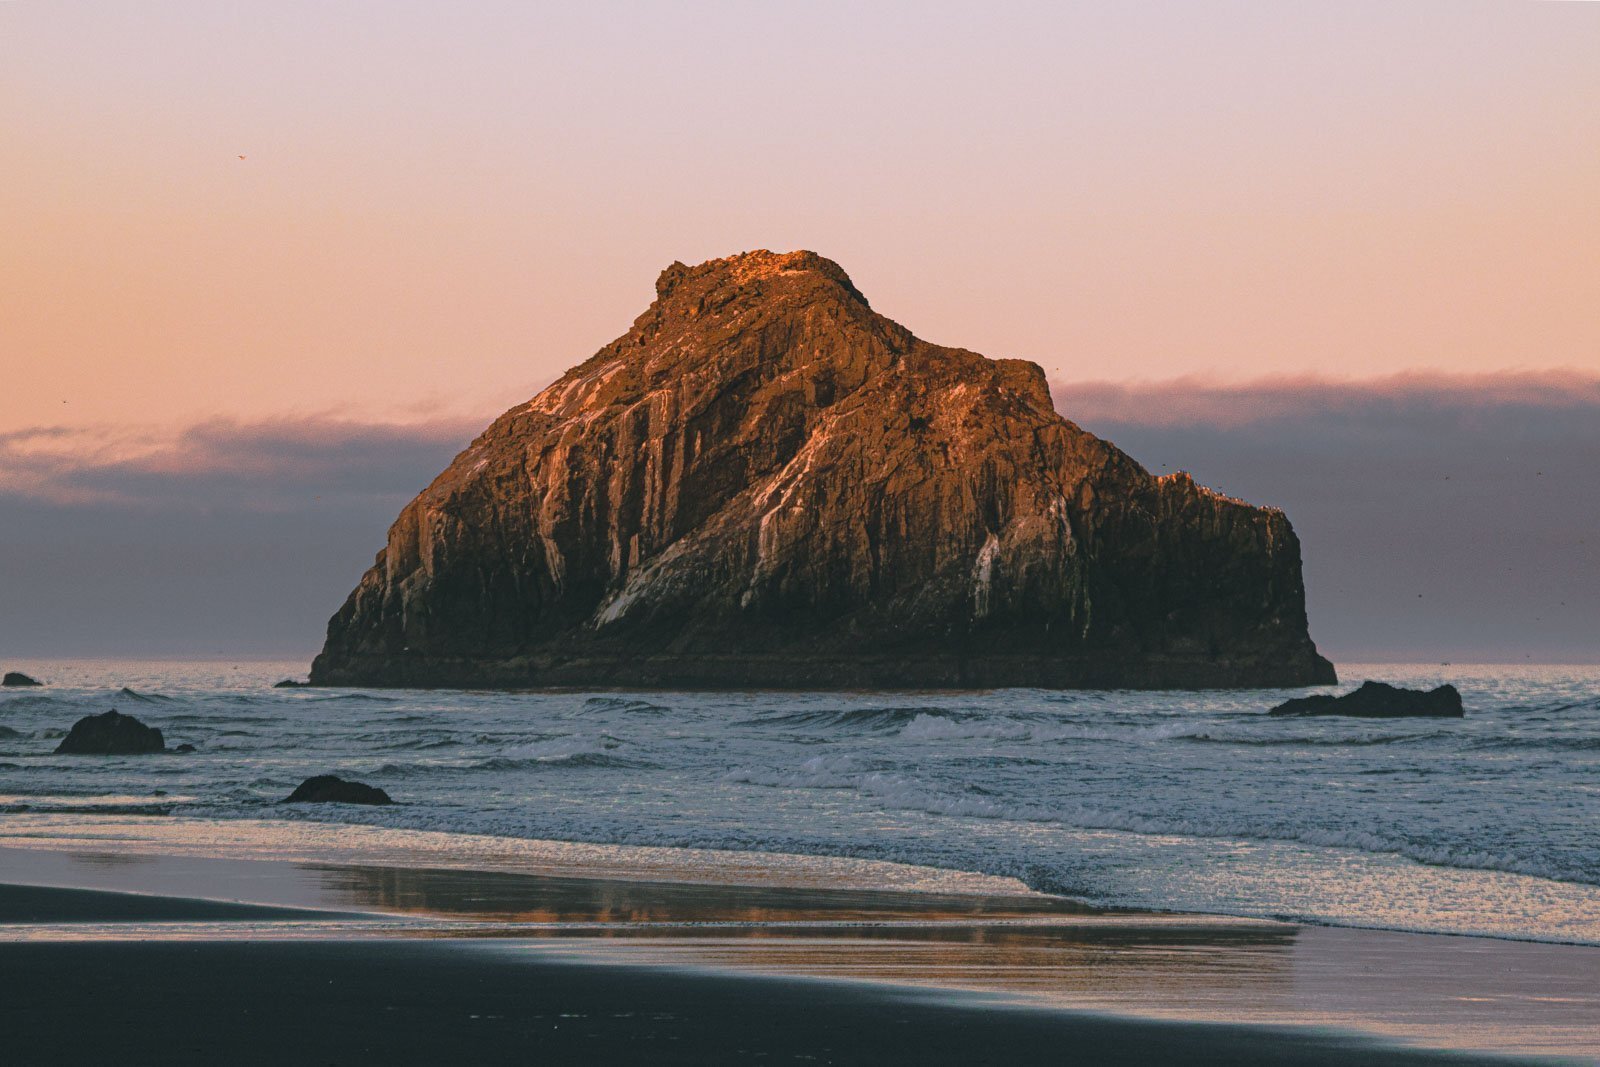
x: 266, y: 465
x: 1199, y: 401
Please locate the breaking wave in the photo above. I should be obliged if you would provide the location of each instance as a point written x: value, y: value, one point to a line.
x: 857, y: 719
x: 907, y: 793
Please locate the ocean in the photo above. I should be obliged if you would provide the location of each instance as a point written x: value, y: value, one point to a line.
x: 1182, y: 801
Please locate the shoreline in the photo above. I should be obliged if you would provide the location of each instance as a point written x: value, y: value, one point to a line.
x: 971, y: 955
x: 312, y: 840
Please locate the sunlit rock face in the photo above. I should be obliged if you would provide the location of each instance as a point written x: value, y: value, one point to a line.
x: 765, y: 483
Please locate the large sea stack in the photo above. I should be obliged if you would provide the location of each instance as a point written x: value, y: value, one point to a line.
x: 765, y: 483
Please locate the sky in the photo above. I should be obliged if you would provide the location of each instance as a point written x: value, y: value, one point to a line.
x: 1321, y: 255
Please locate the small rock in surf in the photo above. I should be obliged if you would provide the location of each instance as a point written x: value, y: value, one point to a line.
x: 111, y: 734
x: 328, y: 789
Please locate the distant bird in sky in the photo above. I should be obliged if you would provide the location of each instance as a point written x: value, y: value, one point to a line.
x: 241, y: 157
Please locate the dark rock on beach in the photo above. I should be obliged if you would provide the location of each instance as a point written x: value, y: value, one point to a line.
x: 1377, y: 700
x: 765, y: 483
x: 111, y: 734
x: 328, y: 789
x: 185, y: 748
x: 290, y: 683
x: 17, y: 678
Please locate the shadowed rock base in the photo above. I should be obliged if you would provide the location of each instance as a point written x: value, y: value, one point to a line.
x: 799, y: 672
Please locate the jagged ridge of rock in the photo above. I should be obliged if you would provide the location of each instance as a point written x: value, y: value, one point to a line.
x: 1379, y: 700
x: 765, y: 483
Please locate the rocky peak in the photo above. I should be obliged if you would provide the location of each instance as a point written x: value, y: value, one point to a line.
x: 765, y: 482
x: 731, y: 274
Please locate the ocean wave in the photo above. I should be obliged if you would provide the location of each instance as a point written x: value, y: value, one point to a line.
x: 821, y: 772
x: 1038, y: 729
x: 926, y: 727
x: 1558, y: 744
x: 1418, y: 770
x: 35, y: 700
x: 628, y: 705
x: 28, y: 808
x: 1041, y: 729
x: 571, y: 759
x: 223, y: 719
x: 147, y: 698
x: 857, y: 719
x: 246, y: 699
x: 1221, y: 737
x: 560, y: 761
x: 443, y: 742
x: 395, y: 740
x: 905, y: 793
x: 1530, y: 712
x: 69, y: 802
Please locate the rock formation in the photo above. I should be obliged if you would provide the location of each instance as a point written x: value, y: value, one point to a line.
x: 1377, y: 700
x: 17, y: 678
x: 111, y: 734
x: 328, y: 789
x: 765, y: 483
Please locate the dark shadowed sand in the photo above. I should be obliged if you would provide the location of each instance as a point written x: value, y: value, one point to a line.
x: 256, y: 961
x: 447, y: 1001
x: 35, y: 905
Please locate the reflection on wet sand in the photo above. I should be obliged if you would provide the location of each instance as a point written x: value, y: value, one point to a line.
x: 506, y: 897
x: 1437, y: 991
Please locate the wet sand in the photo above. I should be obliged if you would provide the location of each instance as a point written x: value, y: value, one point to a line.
x: 454, y: 1002
x: 184, y: 958
x: 44, y: 905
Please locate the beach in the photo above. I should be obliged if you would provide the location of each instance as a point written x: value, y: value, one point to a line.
x: 177, y: 957
x: 1016, y: 875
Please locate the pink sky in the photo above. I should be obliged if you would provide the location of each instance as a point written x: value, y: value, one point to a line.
x: 444, y: 206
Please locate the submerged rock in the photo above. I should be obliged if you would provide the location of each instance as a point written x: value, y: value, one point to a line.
x: 765, y: 483
x: 17, y: 678
x: 1377, y: 700
x: 185, y: 747
x: 111, y: 734
x: 328, y: 789
x: 290, y: 683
